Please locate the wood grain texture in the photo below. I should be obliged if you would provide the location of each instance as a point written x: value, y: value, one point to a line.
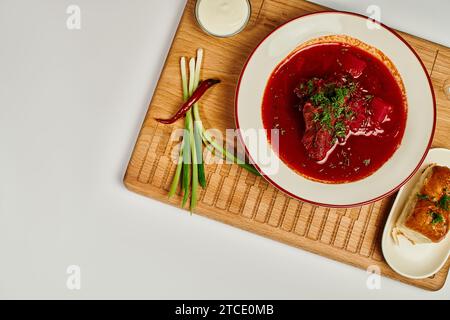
x: 237, y: 198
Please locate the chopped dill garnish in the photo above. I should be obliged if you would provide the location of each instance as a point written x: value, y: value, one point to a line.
x: 436, y: 217
x: 340, y: 129
x: 422, y: 196
x: 443, y: 202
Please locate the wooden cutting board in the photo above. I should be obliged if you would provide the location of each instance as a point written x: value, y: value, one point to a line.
x: 234, y: 196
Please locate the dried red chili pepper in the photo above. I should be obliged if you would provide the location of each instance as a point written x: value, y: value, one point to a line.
x: 198, y: 93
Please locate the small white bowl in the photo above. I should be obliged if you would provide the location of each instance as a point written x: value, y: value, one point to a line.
x: 421, y: 260
x: 420, y: 122
x: 234, y: 30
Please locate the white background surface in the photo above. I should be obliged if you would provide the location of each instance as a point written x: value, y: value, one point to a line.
x: 71, y: 104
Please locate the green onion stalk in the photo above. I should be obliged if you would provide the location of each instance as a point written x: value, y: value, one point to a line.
x: 190, y: 165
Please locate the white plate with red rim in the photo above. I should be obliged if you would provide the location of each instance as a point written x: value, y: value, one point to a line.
x: 421, y: 260
x: 420, y: 122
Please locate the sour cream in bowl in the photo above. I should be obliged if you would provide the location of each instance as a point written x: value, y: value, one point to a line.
x: 222, y: 18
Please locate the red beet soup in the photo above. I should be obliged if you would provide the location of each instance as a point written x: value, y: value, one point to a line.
x: 339, y: 111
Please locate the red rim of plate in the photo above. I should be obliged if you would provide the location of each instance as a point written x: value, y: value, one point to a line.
x: 325, y: 204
